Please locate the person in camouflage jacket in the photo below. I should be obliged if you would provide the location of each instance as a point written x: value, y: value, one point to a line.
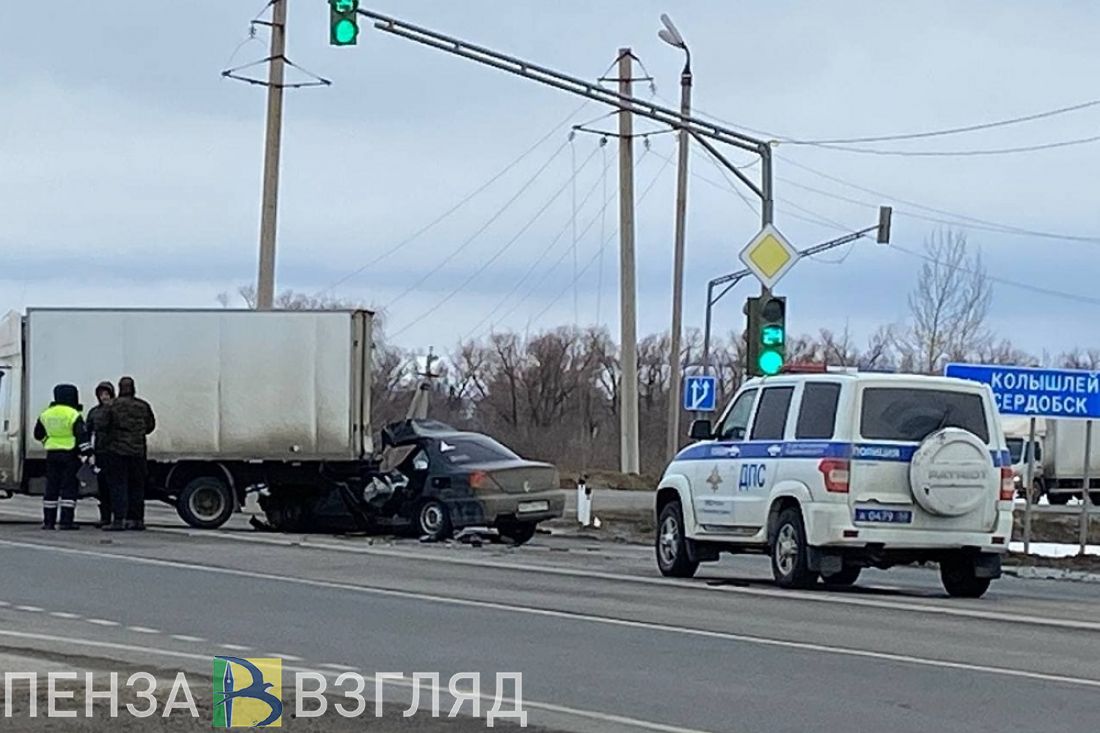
x: 131, y: 421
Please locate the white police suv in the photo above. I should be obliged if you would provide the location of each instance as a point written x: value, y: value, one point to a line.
x: 836, y: 471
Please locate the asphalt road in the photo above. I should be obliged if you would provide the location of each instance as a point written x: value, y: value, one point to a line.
x: 603, y: 643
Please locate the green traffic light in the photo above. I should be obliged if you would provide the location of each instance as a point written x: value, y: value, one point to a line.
x: 345, y: 31
x: 770, y: 362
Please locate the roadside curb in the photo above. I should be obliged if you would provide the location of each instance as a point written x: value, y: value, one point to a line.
x: 1032, y: 572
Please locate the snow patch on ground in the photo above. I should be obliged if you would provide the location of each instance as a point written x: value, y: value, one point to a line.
x: 1054, y: 549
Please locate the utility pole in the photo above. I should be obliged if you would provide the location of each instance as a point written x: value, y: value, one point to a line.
x: 265, y: 284
x: 628, y: 404
x: 672, y: 36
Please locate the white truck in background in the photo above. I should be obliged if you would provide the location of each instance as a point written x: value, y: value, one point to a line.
x: 1064, y: 461
x: 1017, y: 434
x: 243, y: 399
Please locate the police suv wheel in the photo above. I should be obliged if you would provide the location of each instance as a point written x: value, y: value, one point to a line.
x: 790, y: 556
x: 673, y: 559
x: 205, y: 503
x: 432, y: 520
x: 959, y: 578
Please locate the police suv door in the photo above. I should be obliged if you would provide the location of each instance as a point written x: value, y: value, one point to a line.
x: 714, y: 477
x: 761, y: 455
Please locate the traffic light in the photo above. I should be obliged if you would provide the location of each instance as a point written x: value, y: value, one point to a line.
x: 344, y: 22
x: 767, y: 334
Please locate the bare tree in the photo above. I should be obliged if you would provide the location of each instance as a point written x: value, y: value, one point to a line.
x: 1081, y: 359
x: 948, y: 306
x: 1004, y: 352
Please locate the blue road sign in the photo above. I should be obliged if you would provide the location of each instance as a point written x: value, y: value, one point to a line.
x: 1055, y: 393
x: 700, y: 393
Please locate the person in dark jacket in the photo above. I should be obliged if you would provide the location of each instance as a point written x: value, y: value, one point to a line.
x: 61, y: 430
x: 98, y: 426
x: 131, y: 422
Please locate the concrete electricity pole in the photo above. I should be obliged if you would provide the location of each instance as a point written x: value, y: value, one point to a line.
x: 670, y: 35
x: 628, y: 403
x: 265, y: 284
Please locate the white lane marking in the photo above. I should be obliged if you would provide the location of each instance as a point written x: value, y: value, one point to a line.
x: 235, y: 647
x: 406, y: 683
x: 4, y: 604
x: 102, y: 622
x: 574, y: 616
x: 338, y: 667
x: 699, y: 584
x: 30, y: 609
x: 284, y: 657
x: 64, y: 614
x: 189, y: 639
x: 142, y: 630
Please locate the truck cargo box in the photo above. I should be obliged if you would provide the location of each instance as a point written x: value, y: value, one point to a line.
x: 244, y: 385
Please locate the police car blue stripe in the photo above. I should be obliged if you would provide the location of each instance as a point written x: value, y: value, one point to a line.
x: 778, y: 449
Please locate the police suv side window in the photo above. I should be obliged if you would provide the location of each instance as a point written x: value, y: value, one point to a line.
x: 817, y: 413
x: 733, y: 427
x: 771, y: 415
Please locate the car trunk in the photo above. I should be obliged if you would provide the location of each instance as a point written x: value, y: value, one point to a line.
x: 520, y: 477
x: 949, y: 436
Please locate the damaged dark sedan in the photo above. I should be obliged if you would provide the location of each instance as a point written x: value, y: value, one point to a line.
x: 431, y: 480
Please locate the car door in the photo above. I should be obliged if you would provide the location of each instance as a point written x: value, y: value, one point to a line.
x: 714, y: 477
x: 759, y: 465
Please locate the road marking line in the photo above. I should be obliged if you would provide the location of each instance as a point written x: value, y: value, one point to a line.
x: 64, y: 614
x: 4, y: 604
x: 339, y: 667
x: 235, y: 647
x: 190, y: 639
x: 143, y: 630
x: 405, y: 683
x: 284, y: 657
x: 574, y: 616
x: 31, y: 609
x: 698, y: 584
x: 102, y: 622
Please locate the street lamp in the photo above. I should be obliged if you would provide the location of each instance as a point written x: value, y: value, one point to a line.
x: 670, y: 34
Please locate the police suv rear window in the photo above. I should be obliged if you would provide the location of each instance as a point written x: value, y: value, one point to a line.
x: 817, y: 414
x: 898, y: 413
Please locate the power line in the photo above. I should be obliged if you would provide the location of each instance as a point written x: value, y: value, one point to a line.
x: 546, y: 250
x: 978, y: 223
x: 1001, y: 280
x: 956, y: 153
x: 599, y: 252
x: 465, y: 200
x: 481, y: 230
x: 507, y: 245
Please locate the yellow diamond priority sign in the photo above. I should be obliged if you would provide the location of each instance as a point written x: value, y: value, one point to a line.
x: 769, y: 255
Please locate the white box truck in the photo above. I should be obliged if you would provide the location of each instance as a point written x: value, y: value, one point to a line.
x: 1064, y: 461
x: 243, y: 398
x: 1017, y: 433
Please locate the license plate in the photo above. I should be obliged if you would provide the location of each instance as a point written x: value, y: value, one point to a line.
x: 884, y: 516
x: 534, y: 506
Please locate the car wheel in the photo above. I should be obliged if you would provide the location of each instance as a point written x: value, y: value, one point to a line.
x: 519, y: 533
x: 790, y: 559
x: 672, y: 548
x: 848, y: 576
x: 959, y: 580
x: 432, y: 520
x: 205, y: 503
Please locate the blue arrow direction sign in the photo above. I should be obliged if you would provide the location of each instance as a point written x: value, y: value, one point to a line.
x: 700, y: 393
x: 1054, y: 393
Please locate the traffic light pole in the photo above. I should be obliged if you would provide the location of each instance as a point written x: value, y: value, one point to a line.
x: 731, y: 279
x: 265, y: 282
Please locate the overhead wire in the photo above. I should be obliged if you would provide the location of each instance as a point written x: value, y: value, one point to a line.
x: 544, y: 251
x: 499, y: 253
x: 592, y: 260
x: 461, y: 203
x: 956, y: 153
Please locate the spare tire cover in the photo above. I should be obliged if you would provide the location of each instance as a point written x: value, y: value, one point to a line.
x: 952, y: 473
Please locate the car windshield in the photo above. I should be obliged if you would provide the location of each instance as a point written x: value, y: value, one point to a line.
x: 1016, y: 449
x: 473, y: 449
x: 899, y: 413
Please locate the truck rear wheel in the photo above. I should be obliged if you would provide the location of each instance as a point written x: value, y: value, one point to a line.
x: 205, y: 503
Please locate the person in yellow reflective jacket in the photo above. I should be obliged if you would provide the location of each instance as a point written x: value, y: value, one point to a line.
x: 60, y: 429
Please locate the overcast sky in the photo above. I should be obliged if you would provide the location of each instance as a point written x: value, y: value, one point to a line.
x: 131, y: 169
